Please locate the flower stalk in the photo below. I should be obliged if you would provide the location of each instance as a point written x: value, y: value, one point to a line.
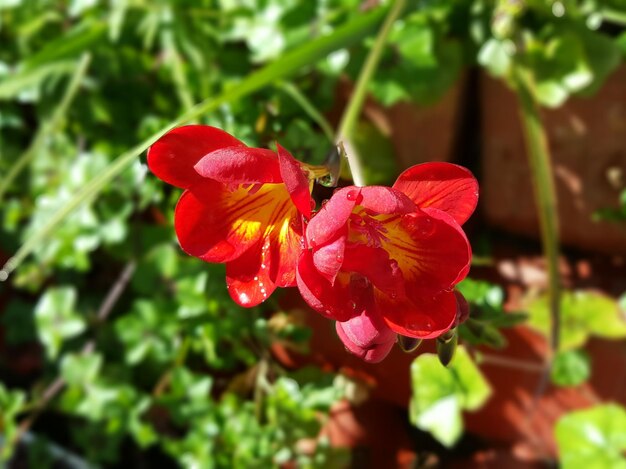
x: 545, y: 196
x: 351, y: 115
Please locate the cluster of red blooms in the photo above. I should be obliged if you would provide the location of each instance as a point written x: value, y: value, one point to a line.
x: 380, y: 261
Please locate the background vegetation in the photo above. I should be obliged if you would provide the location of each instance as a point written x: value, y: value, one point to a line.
x: 117, y: 347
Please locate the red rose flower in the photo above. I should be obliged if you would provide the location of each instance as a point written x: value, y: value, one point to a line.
x: 242, y: 206
x: 383, y: 261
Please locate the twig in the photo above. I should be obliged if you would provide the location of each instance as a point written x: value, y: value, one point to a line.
x: 508, y: 362
x: 59, y: 383
x: 116, y: 291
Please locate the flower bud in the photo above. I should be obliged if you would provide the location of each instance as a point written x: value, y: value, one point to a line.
x: 446, y: 347
x: 408, y: 344
x: 366, y: 336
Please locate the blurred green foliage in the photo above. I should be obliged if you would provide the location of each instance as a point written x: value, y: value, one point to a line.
x: 441, y: 394
x: 593, y: 438
x: 584, y: 314
x: 172, y: 369
x: 560, y: 43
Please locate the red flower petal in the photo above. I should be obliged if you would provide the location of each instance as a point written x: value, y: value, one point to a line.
x: 444, y: 186
x: 173, y: 156
x: 328, y: 259
x: 296, y: 180
x: 219, y: 225
x: 367, y: 329
x: 331, y: 219
x: 203, y: 232
x: 366, y: 336
x: 270, y: 263
x: 446, y: 218
x: 248, y: 277
x: 240, y: 165
x: 285, y: 249
x: 424, y: 317
x: 375, y: 264
x: 430, y: 248
x: 384, y: 200
x: 329, y: 300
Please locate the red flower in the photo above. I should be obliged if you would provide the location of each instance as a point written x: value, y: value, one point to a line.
x: 242, y: 206
x: 385, y: 260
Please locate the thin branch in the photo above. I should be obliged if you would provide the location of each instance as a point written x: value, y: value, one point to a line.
x: 59, y: 383
x: 116, y: 291
x: 508, y: 362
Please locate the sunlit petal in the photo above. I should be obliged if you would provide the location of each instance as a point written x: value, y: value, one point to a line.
x: 444, y: 186
x: 172, y: 158
x: 419, y: 316
x: 296, y: 181
x: 240, y: 165
x: 248, y: 277
x: 332, y: 301
x: 329, y: 258
x: 218, y: 225
x: 430, y: 248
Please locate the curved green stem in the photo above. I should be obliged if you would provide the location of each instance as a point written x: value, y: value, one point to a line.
x: 298, y: 58
x: 545, y: 196
x: 351, y: 115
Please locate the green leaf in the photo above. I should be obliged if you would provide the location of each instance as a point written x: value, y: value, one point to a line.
x: 80, y: 370
x: 583, y: 314
x: 603, y: 56
x: 12, y: 85
x: 440, y: 394
x: 68, y: 46
x: 481, y: 292
x: 194, y: 387
x: 146, y: 332
x: 571, y: 368
x: 11, y: 403
x: 551, y: 93
x: 57, y: 319
x: 593, y: 438
x: 495, y: 56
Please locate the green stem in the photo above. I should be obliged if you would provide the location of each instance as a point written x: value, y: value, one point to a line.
x: 351, y: 115
x: 308, y: 107
x: 545, y: 196
x: 291, y: 62
x: 49, y: 127
x: 614, y: 16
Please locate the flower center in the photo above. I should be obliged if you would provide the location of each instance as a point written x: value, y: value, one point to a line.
x: 366, y: 229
